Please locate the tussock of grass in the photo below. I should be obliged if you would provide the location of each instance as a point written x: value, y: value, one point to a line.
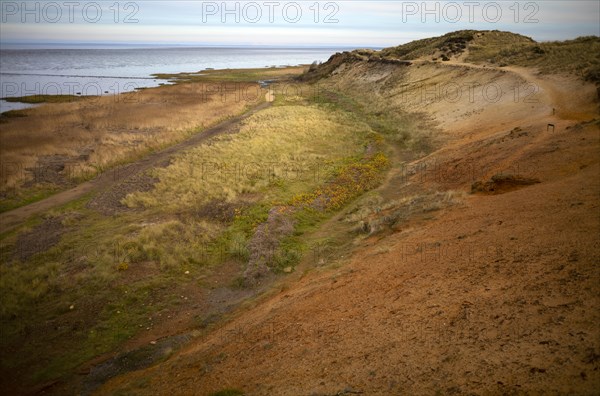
x: 173, y: 244
x: 375, y: 214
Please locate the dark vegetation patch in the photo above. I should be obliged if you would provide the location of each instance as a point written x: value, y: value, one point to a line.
x: 61, y: 170
x: 217, y: 210
x: 452, y: 43
x: 500, y: 184
x: 264, y: 245
x: 133, y: 360
x: 4, y: 116
x: 36, y: 99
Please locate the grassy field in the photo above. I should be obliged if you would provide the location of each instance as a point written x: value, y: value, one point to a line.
x: 76, y: 283
x: 277, y: 145
x: 88, y: 136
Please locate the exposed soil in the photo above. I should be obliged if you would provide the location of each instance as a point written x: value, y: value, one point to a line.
x: 108, y: 201
x: 500, y: 184
x: 41, y: 238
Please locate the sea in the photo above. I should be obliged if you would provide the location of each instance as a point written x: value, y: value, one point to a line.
x: 110, y: 71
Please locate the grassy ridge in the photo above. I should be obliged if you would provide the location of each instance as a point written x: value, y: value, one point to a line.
x: 580, y: 56
x: 425, y: 47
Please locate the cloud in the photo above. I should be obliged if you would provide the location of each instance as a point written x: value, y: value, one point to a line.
x: 359, y: 23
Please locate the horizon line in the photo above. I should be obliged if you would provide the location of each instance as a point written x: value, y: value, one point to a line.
x: 68, y: 45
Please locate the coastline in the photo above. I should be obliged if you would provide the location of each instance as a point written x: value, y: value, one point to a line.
x: 52, y: 71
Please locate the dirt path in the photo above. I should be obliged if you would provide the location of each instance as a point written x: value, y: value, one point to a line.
x: 11, y: 219
x: 546, y: 94
x: 558, y: 102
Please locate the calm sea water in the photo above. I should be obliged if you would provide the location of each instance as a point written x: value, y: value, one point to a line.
x: 113, y: 71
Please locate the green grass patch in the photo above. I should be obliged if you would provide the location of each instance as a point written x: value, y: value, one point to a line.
x: 278, y: 153
x: 15, y: 198
x: 387, y: 121
x: 351, y: 180
x: 73, y: 302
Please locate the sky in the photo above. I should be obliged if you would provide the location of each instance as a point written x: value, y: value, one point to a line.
x: 312, y: 23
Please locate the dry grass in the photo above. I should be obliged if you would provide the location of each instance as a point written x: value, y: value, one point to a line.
x: 426, y: 47
x: 374, y: 214
x: 284, y: 144
x: 100, y: 132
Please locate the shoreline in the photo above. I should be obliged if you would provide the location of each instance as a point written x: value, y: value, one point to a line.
x: 101, y: 73
x: 10, y: 103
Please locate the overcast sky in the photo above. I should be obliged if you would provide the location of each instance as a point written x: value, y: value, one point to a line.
x: 284, y: 23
